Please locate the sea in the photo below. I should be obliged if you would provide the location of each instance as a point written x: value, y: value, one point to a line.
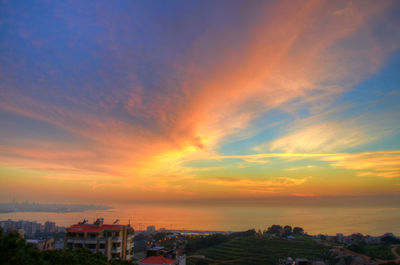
x: 314, y: 220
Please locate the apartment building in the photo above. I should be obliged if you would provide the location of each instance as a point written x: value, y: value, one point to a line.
x: 25, y: 228
x: 151, y: 229
x: 114, y: 241
x: 50, y: 227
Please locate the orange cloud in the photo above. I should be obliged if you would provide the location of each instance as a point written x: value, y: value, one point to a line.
x: 305, y: 195
x: 381, y: 164
x: 271, y: 184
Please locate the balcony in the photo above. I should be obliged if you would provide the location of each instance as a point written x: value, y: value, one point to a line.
x: 116, y: 239
x: 75, y: 240
x: 91, y: 240
x: 78, y: 245
x: 116, y: 249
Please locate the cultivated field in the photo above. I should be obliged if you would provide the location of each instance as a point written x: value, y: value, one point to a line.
x: 259, y: 250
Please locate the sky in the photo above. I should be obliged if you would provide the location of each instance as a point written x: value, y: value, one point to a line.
x: 199, y: 100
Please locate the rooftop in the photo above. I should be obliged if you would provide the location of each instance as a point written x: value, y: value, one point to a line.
x: 157, y: 260
x: 156, y: 248
x: 34, y: 241
x: 93, y: 228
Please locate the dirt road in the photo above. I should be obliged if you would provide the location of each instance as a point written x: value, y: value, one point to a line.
x: 395, y: 253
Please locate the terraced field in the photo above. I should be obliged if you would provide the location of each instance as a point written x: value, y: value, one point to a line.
x: 256, y: 250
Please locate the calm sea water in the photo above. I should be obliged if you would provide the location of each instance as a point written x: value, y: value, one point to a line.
x: 314, y: 220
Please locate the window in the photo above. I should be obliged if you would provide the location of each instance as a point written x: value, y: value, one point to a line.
x: 116, y: 245
x: 91, y: 246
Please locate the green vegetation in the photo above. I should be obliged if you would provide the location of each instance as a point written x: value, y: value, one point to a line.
x: 213, y: 240
x: 379, y: 251
x: 398, y: 250
x: 390, y: 240
x: 204, y: 242
x: 284, y: 231
x: 255, y: 249
x: 15, y: 251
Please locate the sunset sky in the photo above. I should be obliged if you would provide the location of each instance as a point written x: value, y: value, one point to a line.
x: 192, y: 100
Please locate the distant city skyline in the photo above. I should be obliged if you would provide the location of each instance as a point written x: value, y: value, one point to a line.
x: 111, y: 102
x: 26, y: 206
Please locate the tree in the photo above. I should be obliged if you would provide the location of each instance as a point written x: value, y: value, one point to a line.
x: 287, y: 230
x: 15, y: 251
x: 390, y: 240
x: 275, y: 229
x: 298, y: 231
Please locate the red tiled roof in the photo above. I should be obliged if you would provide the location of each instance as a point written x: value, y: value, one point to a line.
x: 112, y: 227
x: 157, y: 260
x: 93, y: 228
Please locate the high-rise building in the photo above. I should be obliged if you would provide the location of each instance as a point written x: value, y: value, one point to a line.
x: 115, y: 241
x: 151, y: 229
x: 30, y: 228
x: 50, y: 227
x: 9, y: 225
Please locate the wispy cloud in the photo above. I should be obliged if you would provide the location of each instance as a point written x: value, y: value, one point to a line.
x: 325, y: 137
x: 270, y: 185
x: 301, y: 168
x: 378, y: 164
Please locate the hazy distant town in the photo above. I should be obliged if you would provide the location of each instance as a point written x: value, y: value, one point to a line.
x: 120, y: 244
x: 14, y: 206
